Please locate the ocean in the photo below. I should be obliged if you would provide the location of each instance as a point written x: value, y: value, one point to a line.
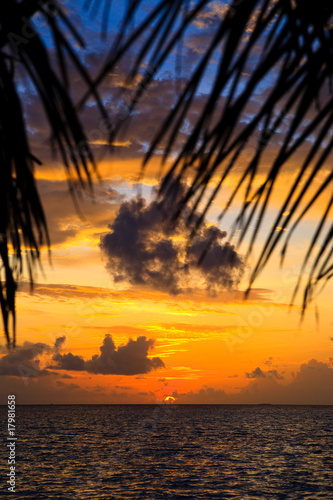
x: 170, y: 452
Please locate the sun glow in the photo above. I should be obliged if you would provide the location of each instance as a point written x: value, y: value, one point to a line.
x: 169, y: 399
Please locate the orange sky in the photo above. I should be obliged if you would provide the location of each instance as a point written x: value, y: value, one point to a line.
x: 215, y: 348
x: 88, y: 326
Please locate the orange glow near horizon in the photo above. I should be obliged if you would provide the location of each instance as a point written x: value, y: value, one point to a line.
x: 213, y: 347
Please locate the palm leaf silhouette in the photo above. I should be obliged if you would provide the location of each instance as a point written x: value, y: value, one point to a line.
x: 23, y: 226
x: 296, y: 48
x: 296, y: 110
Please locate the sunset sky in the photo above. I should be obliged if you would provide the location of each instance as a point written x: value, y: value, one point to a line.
x: 115, y: 317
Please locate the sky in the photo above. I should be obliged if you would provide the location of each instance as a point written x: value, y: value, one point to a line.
x: 116, y: 316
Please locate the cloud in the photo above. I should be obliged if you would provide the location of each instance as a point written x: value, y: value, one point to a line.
x: 129, y: 359
x: 197, y: 300
x: 145, y: 251
x: 59, y: 342
x: 67, y: 223
x: 259, y: 373
x: 206, y: 395
x: 255, y: 373
x: 24, y: 361
x: 312, y: 384
x: 275, y: 374
x: 67, y: 386
x: 68, y: 362
x: 47, y: 390
x: 269, y: 361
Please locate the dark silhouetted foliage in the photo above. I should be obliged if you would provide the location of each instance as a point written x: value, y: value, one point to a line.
x: 23, y: 226
x: 289, y: 45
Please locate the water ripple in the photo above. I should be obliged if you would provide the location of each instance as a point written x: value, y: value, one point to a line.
x: 172, y: 452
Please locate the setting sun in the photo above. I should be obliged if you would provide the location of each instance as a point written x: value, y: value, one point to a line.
x: 169, y: 399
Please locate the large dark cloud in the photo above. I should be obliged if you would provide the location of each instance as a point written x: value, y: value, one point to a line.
x: 142, y: 249
x: 129, y: 359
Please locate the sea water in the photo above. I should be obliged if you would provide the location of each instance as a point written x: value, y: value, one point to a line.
x: 171, y: 451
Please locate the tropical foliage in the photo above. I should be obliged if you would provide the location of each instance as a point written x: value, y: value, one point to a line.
x: 23, y: 226
x: 277, y: 49
x: 276, y: 54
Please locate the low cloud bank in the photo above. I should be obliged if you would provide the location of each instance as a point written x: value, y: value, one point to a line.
x: 129, y: 359
x: 312, y: 384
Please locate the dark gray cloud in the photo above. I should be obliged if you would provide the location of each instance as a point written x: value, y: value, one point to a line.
x: 259, y: 373
x: 268, y: 361
x: 129, y: 359
x: 154, y: 104
x: 143, y: 249
x: 24, y: 361
x: 59, y: 342
x: 275, y: 374
x: 69, y: 362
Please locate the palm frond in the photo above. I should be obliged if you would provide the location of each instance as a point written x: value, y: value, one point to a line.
x: 294, y: 67
x: 23, y: 225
